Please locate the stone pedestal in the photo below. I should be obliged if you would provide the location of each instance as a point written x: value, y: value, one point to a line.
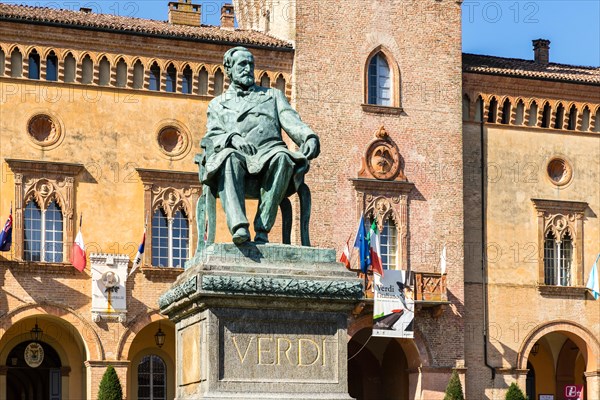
x: 262, y: 322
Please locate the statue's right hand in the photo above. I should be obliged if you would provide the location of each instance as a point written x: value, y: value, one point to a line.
x: 242, y: 145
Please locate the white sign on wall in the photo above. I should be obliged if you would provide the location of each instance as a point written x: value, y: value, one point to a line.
x: 394, y: 308
x: 109, y: 278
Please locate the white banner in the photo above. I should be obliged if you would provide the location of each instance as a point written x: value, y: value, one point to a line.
x: 394, y: 309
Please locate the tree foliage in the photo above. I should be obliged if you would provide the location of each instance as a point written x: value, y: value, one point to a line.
x: 515, y: 393
x: 110, y: 386
x: 454, y: 389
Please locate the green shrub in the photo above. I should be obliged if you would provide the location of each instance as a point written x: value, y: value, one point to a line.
x: 515, y: 393
x: 454, y: 389
x: 110, y: 386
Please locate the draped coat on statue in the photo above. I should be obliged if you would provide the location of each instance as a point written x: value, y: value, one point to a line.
x: 258, y: 115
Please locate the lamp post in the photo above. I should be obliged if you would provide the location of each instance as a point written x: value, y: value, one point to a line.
x: 159, y: 337
x: 36, y: 332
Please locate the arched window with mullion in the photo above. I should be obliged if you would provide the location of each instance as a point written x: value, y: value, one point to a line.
x: 160, y: 239
x: 53, y: 249
x: 32, y: 232
x: 389, y: 244
x: 170, y: 239
x: 152, y: 378
x: 180, y: 242
x: 558, y: 259
x: 43, y: 233
x: 379, y: 81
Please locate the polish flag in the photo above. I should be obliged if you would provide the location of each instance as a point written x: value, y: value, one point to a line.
x: 78, y: 257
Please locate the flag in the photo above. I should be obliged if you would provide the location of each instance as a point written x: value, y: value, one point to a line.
x: 593, y: 282
x: 345, y: 257
x: 362, y: 244
x: 6, y: 234
x: 78, y: 257
x: 375, y: 249
x: 443, y: 261
x: 137, y: 261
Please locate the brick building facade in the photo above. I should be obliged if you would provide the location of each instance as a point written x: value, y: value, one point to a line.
x: 102, y: 116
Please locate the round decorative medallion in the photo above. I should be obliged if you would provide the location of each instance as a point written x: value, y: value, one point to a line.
x: 43, y: 130
x: 34, y: 354
x: 559, y: 171
x: 383, y: 159
x: 173, y: 141
x: 110, y: 279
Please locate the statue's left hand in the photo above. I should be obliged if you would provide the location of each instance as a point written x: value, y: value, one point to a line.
x: 310, y: 148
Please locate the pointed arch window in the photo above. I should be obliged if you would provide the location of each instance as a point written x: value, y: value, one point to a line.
x: 219, y: 80
x: 34, y: 65
x: 379, y: 81
x: 154, y: 82
x: 104, y: 72
x: 203, y: 82
x: 280, y: 83
x: 2, y: 62
x: 70, y: 68
x: 87, y: 70
x: 152, y: 378
x: 43, y: 232
x: 16, y: 64
x: 52, y: 67
x: 186, y: 82
x: 560, y: 225
x: 265, y: 81
x: 121, y: 73
x: 138, y: 75
x: 168, y: 200
x: 171, y: 83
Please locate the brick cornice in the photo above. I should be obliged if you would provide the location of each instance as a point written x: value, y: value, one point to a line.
x: 396, y: 187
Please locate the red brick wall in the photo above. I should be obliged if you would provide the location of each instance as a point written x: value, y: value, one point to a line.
x: 332, y: 46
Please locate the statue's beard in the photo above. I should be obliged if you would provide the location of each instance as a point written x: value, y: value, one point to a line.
x: 245, y: 81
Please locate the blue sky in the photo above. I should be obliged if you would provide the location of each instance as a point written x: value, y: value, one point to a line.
x: 502, y: 28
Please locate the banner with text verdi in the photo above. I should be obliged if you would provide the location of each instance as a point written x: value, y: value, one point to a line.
x: 394, y: 309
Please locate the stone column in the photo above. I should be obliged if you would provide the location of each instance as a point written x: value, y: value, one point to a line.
x: 592, y: 380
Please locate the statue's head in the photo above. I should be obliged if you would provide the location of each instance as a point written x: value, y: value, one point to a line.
x: 239, y: 66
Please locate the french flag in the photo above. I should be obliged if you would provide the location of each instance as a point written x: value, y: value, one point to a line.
x: 78, y: 256
x: 6, y: 234
x: 137, y: 261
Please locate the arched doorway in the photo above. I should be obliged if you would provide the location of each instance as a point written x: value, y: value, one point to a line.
x: 27, y: 378
x: 377, y: 370
x: 556, y: 361
x: 152, y: 368
x: 64, y: 349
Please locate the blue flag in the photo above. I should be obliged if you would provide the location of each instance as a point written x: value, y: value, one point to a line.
x: 362, y: 244
x: 6, y: 234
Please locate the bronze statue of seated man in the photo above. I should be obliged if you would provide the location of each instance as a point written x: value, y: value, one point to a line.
x: 243, y: 141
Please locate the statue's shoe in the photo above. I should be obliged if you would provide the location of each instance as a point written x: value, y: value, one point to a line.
x: 261, y: 238
x: 241, y: 235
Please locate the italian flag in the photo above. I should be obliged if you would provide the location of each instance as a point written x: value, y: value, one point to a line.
x: 78, y: 256
x: 345, y: 258
x: 375, y: 249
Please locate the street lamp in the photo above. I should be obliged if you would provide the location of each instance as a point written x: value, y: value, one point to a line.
x: 535, y: 349
x: 36, y: 332
x: 159, y: 337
